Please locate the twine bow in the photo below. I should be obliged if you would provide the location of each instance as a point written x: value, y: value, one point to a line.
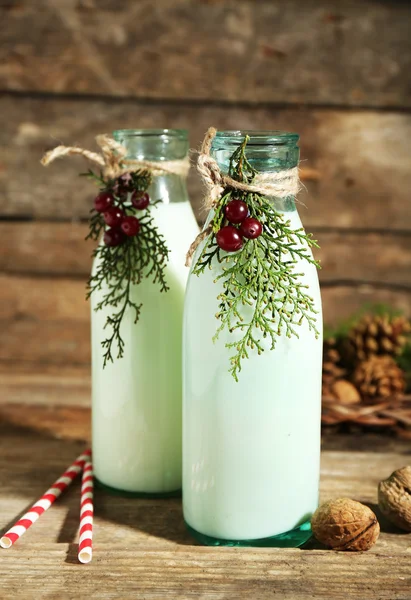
x: 113, y: 161
x: 278, y: 184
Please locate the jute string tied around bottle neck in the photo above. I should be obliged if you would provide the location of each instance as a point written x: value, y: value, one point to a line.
x: 278, y: 184
x: 113, y: 161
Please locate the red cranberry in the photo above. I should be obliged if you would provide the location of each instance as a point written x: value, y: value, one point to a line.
x: 251, y: 228
x: 130, y: 226
x: 125, y: 179
x: 229, y: 239
x: 236, y: 211
x: 140, y: 200
x: 113, y: 216
x: 124, y: 183
x: 103, y: 201
x: 113, y: 237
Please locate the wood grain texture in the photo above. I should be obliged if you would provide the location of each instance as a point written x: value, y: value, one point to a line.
x: 141, y: 548
x: 47, y: 319
x: 44, y: 384
x: 67, y: 422
x: 69, y: 418
x: 46, y: 249
x: 42, y: 319
x: 362, y: 156
x: 204, y: 573
x: 342, y: 301
x: 318, y: 51
x: 381, y: 258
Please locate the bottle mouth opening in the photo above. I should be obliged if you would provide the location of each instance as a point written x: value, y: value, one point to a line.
x: 256, y: 137
x: 177, y: 134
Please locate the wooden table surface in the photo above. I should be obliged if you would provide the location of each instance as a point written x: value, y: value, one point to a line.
x: 141, y: 547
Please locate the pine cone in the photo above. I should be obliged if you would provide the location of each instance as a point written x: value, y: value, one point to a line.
x: 379, y: 377
x: 332, y: 372
x: 376, y: 335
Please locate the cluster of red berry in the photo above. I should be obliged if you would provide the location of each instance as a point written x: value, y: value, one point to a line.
x: 230, y: 238
x: 120, y: 224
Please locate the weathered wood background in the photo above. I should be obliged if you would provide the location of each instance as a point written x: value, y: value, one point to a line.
x: 338, y: 72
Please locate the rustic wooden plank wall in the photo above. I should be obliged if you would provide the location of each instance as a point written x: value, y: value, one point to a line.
x: 336, y: 71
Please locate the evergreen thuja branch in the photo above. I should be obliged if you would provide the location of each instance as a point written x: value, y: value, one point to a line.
x: 121, y: 266
x: 96, y: 226
x: 120, y: 297
x: 98, y: 178
x: 263, y: 294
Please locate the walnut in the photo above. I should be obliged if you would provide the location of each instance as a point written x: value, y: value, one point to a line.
x: 345, y: 392
x: 394, y: 498
x: 345, y: 524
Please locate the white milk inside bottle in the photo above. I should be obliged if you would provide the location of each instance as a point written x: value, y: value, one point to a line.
x: 136, y: 400
x: 251, y: 450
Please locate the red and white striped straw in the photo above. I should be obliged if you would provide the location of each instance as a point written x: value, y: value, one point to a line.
x: 44, y: 502
x: 85, y: 545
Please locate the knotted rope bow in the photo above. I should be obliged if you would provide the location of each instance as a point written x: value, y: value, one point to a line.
x: 279, y: 184
x: 113, y: 159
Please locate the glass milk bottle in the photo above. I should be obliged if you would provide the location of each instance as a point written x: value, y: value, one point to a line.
x: 251, y: 449
x: 136, y: 400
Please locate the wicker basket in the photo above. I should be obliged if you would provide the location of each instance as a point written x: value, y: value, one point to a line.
x: 390, y: 414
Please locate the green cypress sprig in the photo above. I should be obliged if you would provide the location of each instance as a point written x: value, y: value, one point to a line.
x: 121, y: 267
x: 261, y: 277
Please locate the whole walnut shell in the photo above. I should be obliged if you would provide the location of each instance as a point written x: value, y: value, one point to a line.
x: 346, y: 392
x: 345, y: 524
x: 394, y: 498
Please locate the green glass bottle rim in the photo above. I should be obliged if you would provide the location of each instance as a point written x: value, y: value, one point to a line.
x: 181, y: 134
x: 257, y: 137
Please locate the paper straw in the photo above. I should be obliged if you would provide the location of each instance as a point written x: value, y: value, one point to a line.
x: 38, y: 508
x: 85, y: 546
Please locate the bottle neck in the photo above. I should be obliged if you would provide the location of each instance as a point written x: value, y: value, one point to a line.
x: 158, y: 145
x: 267, y: 152
x: 168, y: 188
